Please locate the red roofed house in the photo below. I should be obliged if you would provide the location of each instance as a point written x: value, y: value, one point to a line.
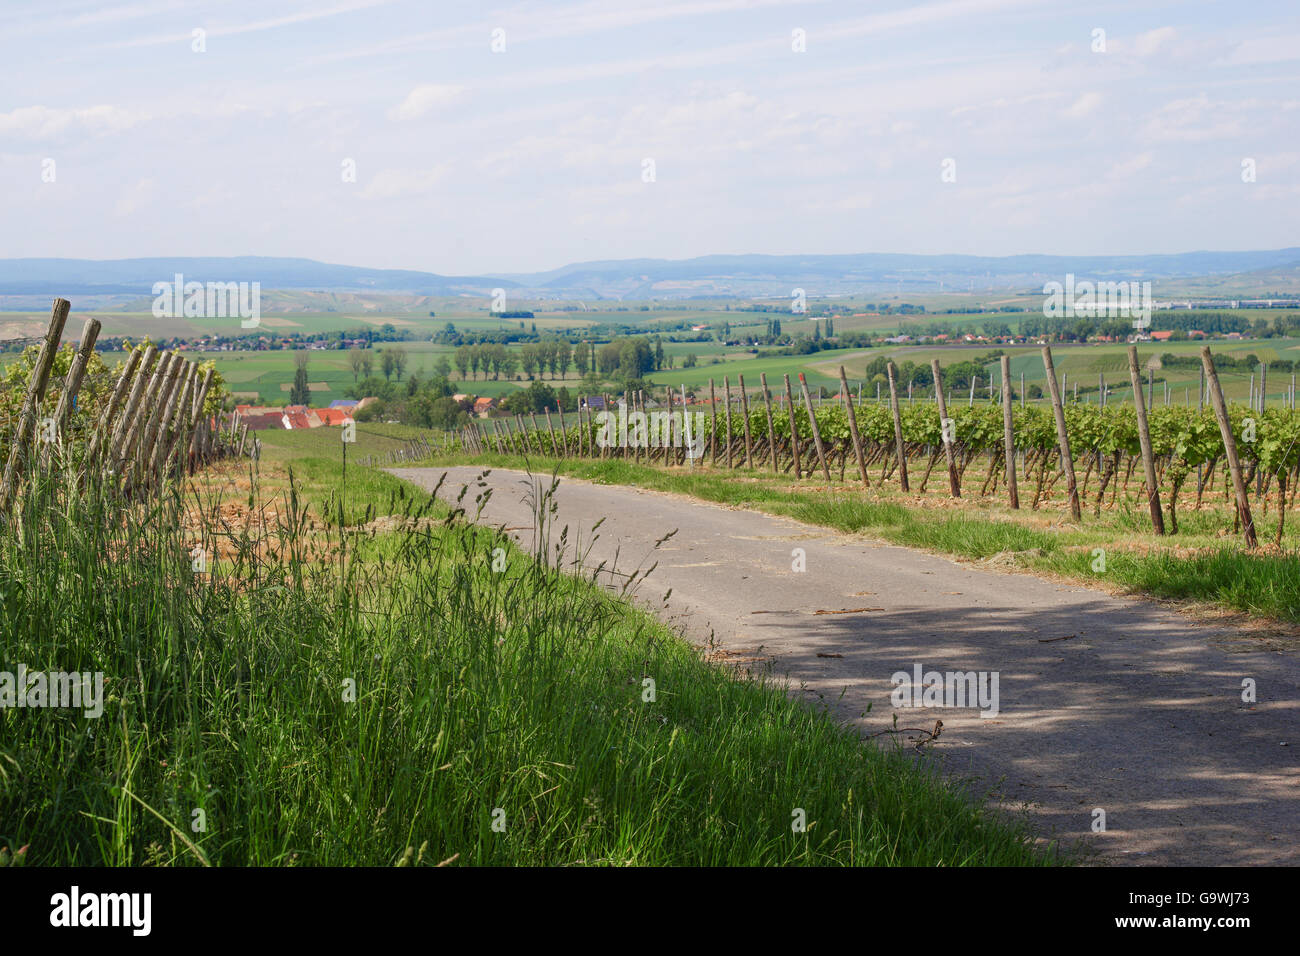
x: 333, y: 416
x: 296, y: 420
x: 1163, y: 336
x: 483, y: 405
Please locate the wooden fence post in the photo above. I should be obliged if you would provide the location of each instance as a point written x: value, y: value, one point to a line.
x: 151, y: 453
x: 744, y: 411
x: 173, y: 423
x: 713, y: 425
x: 853, y: 430
x: 1144, y: 440
x: 555, y: 448
x: 817, y: 434
x: 899, y: 448
x: 726, y: 389
x: 126, y: 425
x: 107, y: 418
x: 771, y: 429
x: 72, y: 381
x: 954, y: 480
x: 161, y: 408
x: 36, y: 386
x: 148, y: 405
x: 794, y: 430
x: 1009, y: 434
x: 1229, y: 446
x: 1062, y: 436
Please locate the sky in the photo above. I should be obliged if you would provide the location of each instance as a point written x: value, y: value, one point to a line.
x: 472, y: 137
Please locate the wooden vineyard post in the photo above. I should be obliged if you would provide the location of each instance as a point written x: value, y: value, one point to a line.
x: 555, y: 447
x: 106, y: 420
x: 1062, y: 436
x: 157, y: 417
x: 817, y: 434
x: 744, y: 412
x: 36, y: 386
x: 954, y: 480
x: 1263, y: 385
x: 1009, y: 435
x: 794, y: 430
x: 1144, y: 440
x: 853, y: 430
x: 171, y: 424
x: 771, y: 429
x: 713, y: 424
x: 726, y: 391
x: 72, y: 382
x: 1229, y: 446
x: 899, y: 448
x: 153, y: 451
x: 150, y: 401
x: 131, y: 413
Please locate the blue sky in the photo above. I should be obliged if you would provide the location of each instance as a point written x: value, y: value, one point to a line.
x: 474, y: 160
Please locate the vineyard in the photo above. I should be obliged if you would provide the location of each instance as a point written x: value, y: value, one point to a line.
x: 124, y: 430
x: 1090, y: 456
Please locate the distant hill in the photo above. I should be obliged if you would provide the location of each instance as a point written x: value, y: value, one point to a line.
x: 136, y: 277
x: 115, y: 282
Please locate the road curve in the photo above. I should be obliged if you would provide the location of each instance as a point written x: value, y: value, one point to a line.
x: 1103, y: 703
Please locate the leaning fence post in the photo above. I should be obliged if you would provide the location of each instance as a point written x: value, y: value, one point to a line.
x: 794, y: 429
x: 36, y: 386
x: 72, y: 381
x: 131, y: 413
x: 106, y: 419
x: 853, y: 430
x: 1229, y: 446
x: 726, y: 388
x: 1009, y: 434
x: 771, y: 430
x: 1144, y: 441
x: 946, y: 434
x: 817, y: 434
x: 744, y: 411
x: 899, y: 448
x: 1062, y: 435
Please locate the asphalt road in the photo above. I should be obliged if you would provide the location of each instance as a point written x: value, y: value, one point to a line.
x: 1104, y: 703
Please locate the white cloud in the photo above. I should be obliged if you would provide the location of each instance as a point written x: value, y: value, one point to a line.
x: 1128, y: 167
x: 423, y: 98
x: 42, y: 122
x: 1144, y: 44
x: 134, y: 197
x: 1084, y: 105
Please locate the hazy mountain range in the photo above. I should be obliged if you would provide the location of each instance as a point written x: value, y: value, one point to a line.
x: 28, y: 283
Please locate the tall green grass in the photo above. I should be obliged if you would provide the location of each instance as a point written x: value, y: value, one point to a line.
x: 515, y: 697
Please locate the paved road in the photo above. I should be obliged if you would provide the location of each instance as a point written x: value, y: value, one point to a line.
x: 1104, y: 702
